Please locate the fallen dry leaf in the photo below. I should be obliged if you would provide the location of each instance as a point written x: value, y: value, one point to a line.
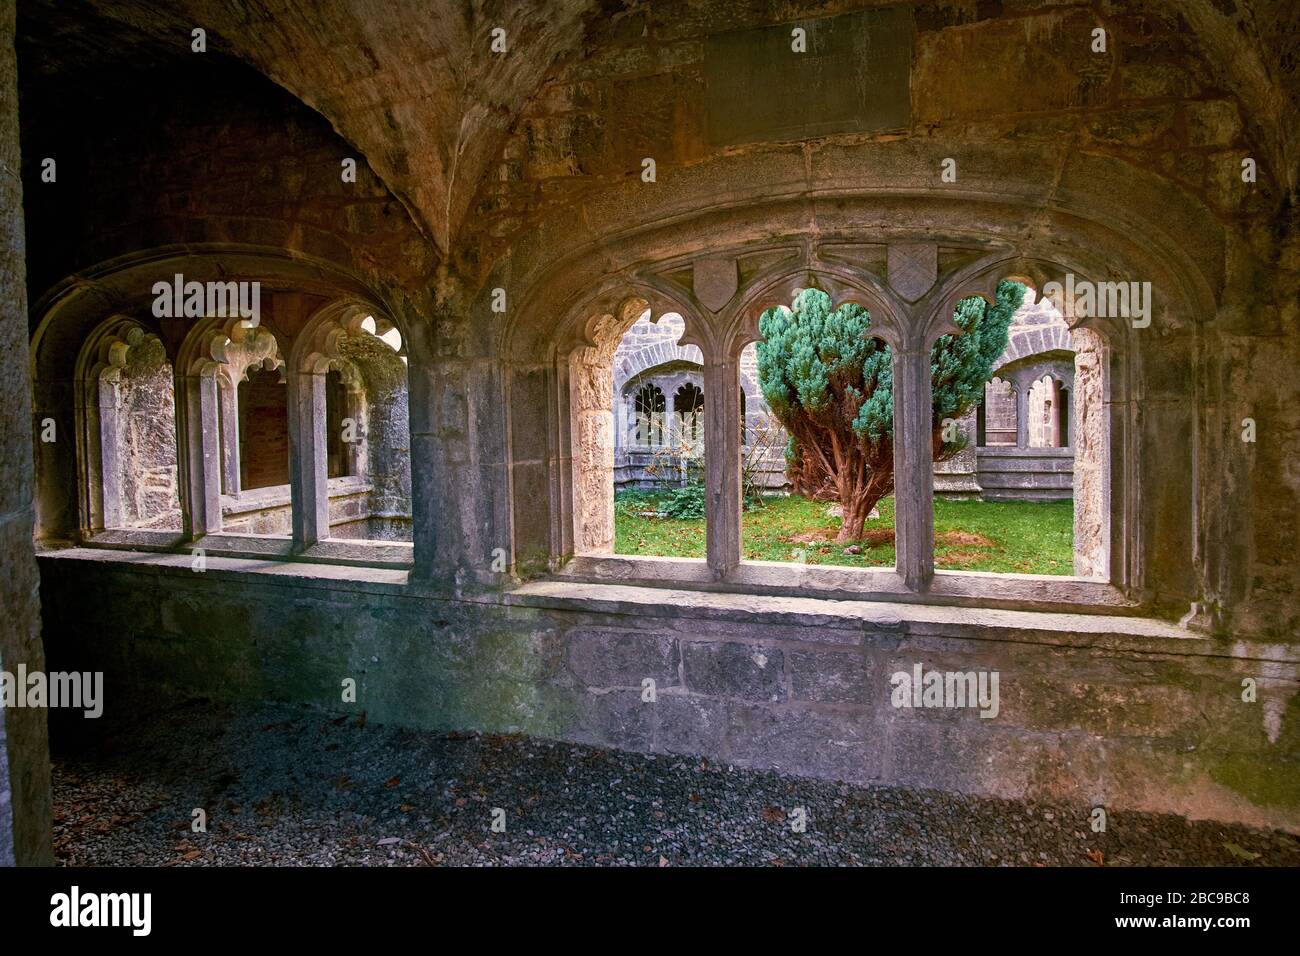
x: 1240, y: 852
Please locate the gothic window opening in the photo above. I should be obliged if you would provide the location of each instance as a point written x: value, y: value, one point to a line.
x: 1063, y: 418
x: 998, y: 414
x: 263, y: 429
x: 817, y: 482
x: 129, y: 434
x: 1023, y: 498
x: 352, y: 365
x: 340, y: 427
x: 638, y: 486
x: 650, y: 416
x: 688, y: 410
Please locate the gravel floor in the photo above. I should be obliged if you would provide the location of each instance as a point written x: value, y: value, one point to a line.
x: 292, y: 787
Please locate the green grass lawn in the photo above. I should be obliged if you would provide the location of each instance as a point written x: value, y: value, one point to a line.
x: 1009, y: 536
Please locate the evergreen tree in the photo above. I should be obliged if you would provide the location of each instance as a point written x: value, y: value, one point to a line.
x: 830, y: 384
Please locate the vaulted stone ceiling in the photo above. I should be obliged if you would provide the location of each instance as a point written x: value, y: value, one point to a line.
x: 415, y: 87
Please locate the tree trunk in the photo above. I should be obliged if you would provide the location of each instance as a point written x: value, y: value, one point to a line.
x: 856, y: 475
x: 855, y: 516
x: 875, y: 479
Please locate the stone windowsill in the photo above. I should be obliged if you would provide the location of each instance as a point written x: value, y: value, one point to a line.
x: 974, y: 589
x: 1012, y: 451
x: 1030, y: 592
x: 280, y: 496
x: 350, y: 552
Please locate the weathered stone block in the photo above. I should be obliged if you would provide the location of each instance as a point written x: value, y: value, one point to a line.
x: 740, y: 671
x: 1141, y: 81
x: 614, y: 719
x: 844, y: 745
x: 1029, y: 65
x: 687, y: 724
x: 1105, y: 707
x: 758, y: 90
x: 976, y: 757
x: 611, y: 658
x: 831, y: 677
x: 1133, y: 127
x: 1213, y: 123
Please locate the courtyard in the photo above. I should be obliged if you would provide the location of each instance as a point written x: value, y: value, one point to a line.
x: 1022, y: 537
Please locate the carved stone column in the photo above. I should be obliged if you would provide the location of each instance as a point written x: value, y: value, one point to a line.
x: 460, y: 491
x: 110, y: 479
x: 307, y: 458
x: 722, y: 464
x: 199, y: 442
x: 1022, y: 386
x: 591, y: 384
x: 229, y: 406
x: 1092, y: 467
x: 913, y: 469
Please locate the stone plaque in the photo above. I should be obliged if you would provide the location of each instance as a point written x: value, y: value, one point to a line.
x: 715, y: 282
x: 913, y: 268
x: 853, y: 77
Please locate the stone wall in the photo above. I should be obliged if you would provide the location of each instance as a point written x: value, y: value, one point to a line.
x: 1145, y: 140
x: 1026, y: 474
x: 148, y: 480
x: 245, y: 163
x: 1112, y: 711
x: 6, y: 803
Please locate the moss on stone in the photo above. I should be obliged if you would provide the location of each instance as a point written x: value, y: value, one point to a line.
x: 1267, y: 782
x: 1272, y: 777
